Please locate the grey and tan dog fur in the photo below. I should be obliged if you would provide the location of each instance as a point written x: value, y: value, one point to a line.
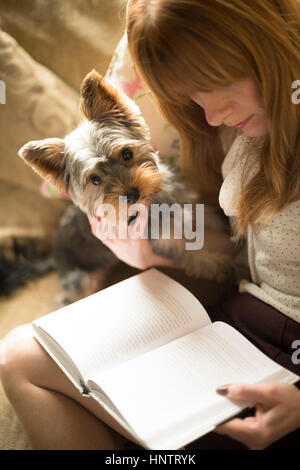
x: 110, y: 155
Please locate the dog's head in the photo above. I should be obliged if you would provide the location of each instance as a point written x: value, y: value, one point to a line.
x: 107, y: 156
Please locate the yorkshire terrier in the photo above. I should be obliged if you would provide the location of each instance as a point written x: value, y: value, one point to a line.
x: 108, y: 156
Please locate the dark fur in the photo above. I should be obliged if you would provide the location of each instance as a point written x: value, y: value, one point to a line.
x: 23, y: 263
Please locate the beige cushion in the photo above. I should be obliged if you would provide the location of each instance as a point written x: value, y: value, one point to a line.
x: 69, y: 37
x: 26, y: 214
x: 12, y: 436
x: 38, y: 105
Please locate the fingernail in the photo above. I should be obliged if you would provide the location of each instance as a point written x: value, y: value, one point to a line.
x: 222, y: 390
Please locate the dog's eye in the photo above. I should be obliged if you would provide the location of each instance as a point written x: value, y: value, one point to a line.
x: 95, y: 179
x: 127, y: 154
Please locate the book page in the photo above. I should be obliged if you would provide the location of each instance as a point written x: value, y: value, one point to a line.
x: 124, y: 321
x: 168, y: 395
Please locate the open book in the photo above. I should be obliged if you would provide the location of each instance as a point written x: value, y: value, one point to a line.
x: 147, y: 352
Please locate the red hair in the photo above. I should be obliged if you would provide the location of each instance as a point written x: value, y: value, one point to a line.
x: 183, y: 46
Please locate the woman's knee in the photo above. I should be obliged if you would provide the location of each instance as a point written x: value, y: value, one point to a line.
x: 18, y: 356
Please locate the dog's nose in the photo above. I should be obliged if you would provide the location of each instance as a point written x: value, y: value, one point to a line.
x: 133, y: 195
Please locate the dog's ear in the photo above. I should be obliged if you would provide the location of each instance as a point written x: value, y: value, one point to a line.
x: 47, y: 158
x: 98, y: 97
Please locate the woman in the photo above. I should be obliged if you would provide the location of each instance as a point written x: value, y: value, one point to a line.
x: 232, y: 63
x: 209, y: 65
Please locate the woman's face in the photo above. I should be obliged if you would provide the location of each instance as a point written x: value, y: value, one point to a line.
x: 237, y: 105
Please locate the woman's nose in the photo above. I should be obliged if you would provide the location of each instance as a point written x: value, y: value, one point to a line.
x: 217, y: 116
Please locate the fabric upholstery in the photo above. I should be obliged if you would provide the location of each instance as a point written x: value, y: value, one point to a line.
x: 46, y: 48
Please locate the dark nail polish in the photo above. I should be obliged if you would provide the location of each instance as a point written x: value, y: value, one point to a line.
x: 222, y: 390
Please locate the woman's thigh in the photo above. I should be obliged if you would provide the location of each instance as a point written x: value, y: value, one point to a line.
x: 25, y: 361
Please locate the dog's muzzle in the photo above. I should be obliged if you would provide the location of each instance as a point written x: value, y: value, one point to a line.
x: 132, y: 195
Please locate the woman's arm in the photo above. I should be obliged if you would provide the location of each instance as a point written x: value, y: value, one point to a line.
x: 139, y: 254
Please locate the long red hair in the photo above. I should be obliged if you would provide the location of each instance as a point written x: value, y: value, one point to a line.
x: 183, y: 46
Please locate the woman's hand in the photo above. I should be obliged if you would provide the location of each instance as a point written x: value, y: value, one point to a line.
x: 277, y: 413
x: 130, y: 248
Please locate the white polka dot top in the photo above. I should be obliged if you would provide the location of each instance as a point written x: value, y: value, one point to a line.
x: 274, y: 251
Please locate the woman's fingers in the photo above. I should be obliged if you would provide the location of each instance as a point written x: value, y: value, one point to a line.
x: 248, y: 431
x: 265, y: 394
x: 277, y: 413
x: 105, y: 230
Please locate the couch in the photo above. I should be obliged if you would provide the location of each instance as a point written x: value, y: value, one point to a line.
x: 46, y: 48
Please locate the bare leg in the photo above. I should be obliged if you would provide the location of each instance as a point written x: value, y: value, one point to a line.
x: 53, y: 412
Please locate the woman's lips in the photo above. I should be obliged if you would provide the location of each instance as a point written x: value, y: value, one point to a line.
x: 242, y: 124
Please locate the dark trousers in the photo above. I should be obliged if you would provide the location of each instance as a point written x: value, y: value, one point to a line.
x: 267, y: 328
